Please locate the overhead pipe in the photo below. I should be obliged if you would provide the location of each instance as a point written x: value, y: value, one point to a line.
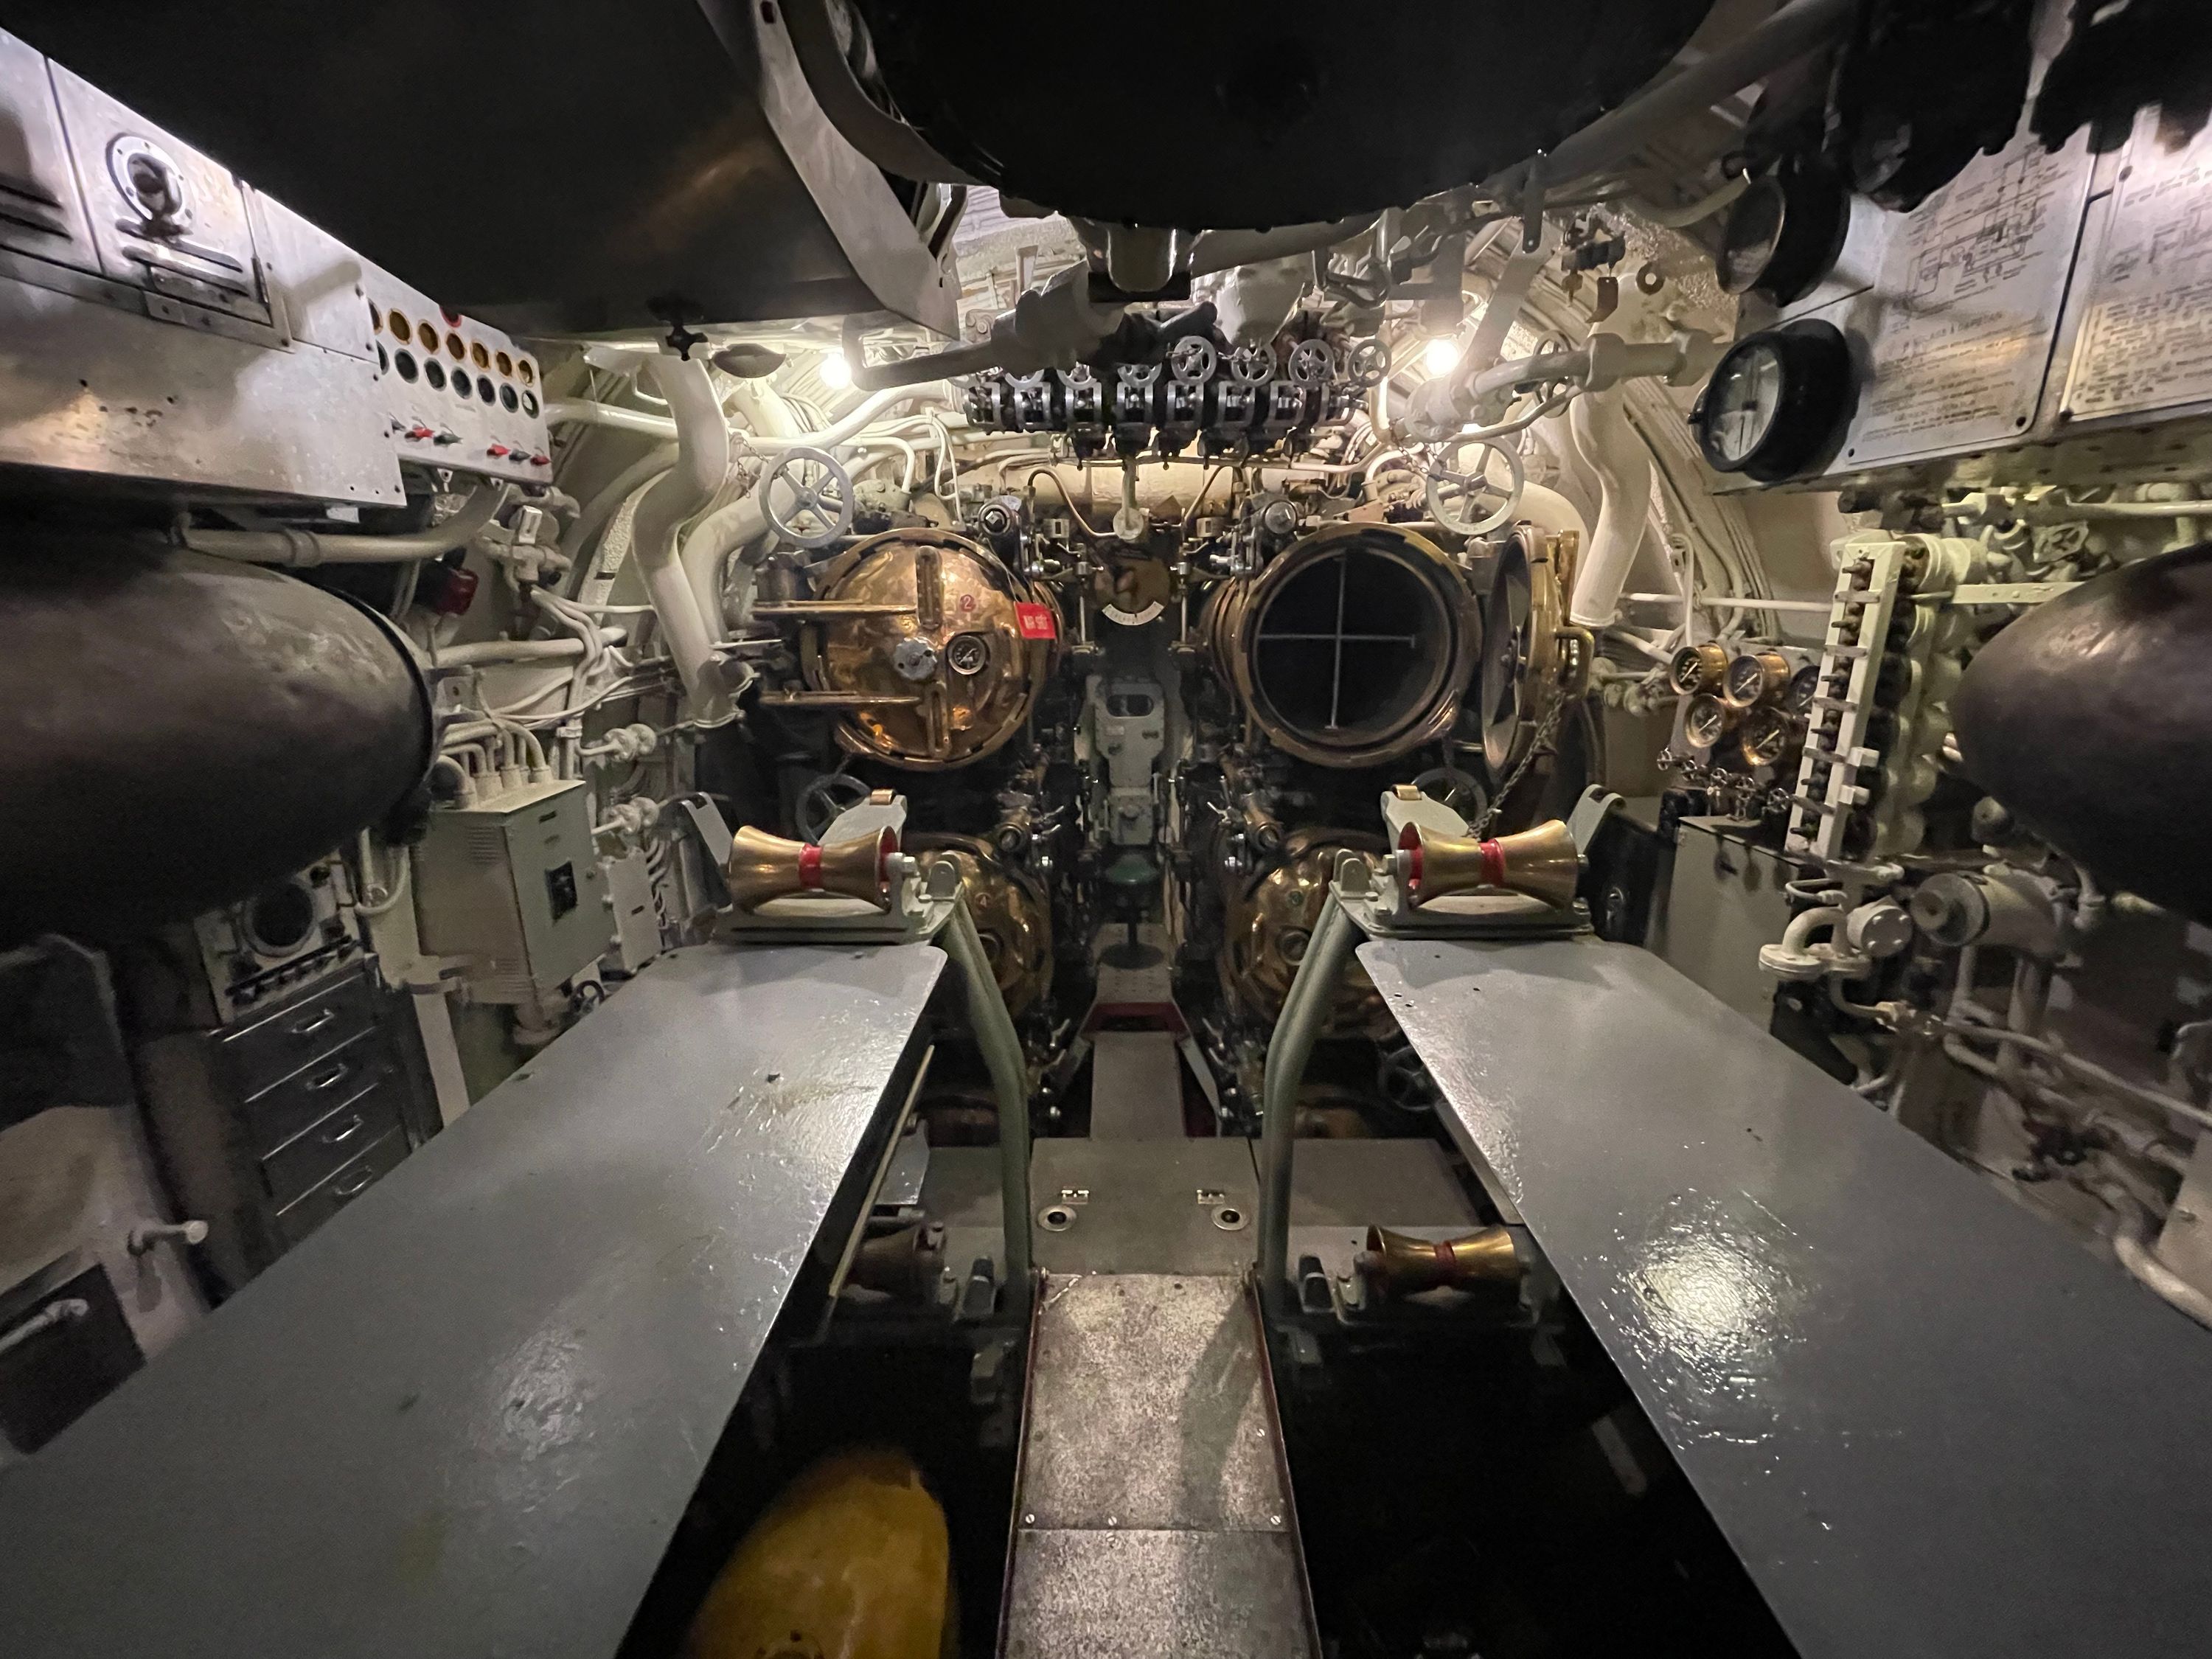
x: 1622, y: 466
x: 1799, y: 28
x: 1224, y: 250
x: 702, y: 463
x: 841, y: 431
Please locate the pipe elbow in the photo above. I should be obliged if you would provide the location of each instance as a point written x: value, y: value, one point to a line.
x: 1617, y: 458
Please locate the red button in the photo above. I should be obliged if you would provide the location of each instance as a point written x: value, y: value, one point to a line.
x: 541, y: 461
x: 496, y: 449
x: 418, y: 432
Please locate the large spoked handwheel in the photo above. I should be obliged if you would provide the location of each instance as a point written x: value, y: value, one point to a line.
x: 1454, y: 496
x: 808, y: 497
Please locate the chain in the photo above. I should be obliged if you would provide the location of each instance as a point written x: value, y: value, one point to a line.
x: 1547, y: 729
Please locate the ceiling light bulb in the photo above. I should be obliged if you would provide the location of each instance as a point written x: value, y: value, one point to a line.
x: 1440, y: 356
x: 836, y: 373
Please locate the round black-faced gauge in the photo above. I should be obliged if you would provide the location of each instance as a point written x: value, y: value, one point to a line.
x: 1707, y: 720
x: 1777, y: 401
x: 1784, y: 232
x: 1804, y: 686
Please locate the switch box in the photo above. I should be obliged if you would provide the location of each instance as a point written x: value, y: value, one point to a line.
x: 512, y: 886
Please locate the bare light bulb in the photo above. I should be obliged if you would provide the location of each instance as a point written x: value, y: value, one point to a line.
x: 836, y: 374
x: 1440, y: 356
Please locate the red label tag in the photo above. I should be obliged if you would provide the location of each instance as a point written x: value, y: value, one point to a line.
x: 1035, y: 621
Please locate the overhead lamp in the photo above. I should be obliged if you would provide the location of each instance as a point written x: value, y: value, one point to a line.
x: 836, y: 374
x: 1440, y: 356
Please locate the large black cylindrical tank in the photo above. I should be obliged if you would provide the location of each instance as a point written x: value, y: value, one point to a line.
x: 177, y: 732
x: 2091, y: 718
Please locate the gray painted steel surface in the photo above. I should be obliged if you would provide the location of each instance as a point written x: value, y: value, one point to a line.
x: 1145, y: 1206
x: 464, y: 1418
x: 1156, y: 1595
x: 1153, y: 1516
x: 1929, y: 1421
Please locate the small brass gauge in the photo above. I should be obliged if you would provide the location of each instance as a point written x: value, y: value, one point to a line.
x: 1698, y: 668
x: 1707, y: 720
x: 1767, y: 735
x: 1755, y: 676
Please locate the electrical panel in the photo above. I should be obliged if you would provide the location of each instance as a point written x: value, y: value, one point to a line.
x: 511, y: 887
x: 169, y: 324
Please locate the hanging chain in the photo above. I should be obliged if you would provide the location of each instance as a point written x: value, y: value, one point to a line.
x: 1547, y: 729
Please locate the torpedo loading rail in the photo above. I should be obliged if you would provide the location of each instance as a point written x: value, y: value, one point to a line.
x: 466, y: 1420
x: 1927, y: 1422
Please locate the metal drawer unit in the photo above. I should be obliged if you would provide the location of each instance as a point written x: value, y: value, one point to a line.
x: 346, y: 1183
x: 294, y: 1035
x: 268, y: 1130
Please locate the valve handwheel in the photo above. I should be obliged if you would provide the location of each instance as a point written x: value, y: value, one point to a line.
x: 1312, y: 363
x: 1452, y: 493
x: 1253, y: 365
x: 1193, y: 358
x: 818, y: 505
x: 1367, y: 363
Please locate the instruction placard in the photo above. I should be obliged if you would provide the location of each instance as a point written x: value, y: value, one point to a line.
x: 1972, y: 282
x: 2146, y: 339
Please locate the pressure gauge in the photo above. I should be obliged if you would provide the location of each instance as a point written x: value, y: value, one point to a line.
x: 1804, y: 686
x: 1784, y: 232
x: 1753, y: 677
x: 1777, y: 402
x: 1707, y: 720
x: 1767, y: 735
x: 1698, y: 668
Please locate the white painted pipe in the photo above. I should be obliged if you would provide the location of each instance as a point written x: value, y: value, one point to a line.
x: 842, y: 431
x: 1806, y: 923
x: 702, y: 463
x: 763, y: 407
x: 1551, y: 513
x: 479, y: 651
x: 574, y: 411
x: 2131, y: 1243
x: 1800, y: 28
x: 295, y: 547
x: 708, y: 546
x: 1613, y: 451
